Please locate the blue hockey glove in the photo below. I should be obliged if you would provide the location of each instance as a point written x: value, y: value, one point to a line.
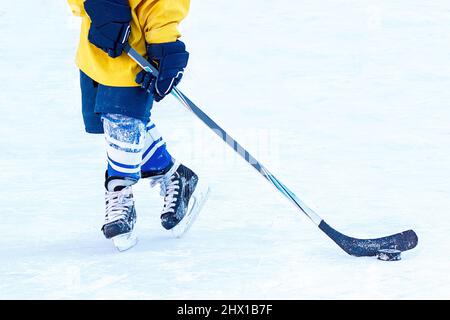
x: 170, y: 59
x: 110, y: 27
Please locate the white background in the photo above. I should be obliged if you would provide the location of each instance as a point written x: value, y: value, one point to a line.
x: 346, y: 102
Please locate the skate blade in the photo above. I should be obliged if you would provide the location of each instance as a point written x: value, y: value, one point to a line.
x: 124, y: 241
x: 195, y: 205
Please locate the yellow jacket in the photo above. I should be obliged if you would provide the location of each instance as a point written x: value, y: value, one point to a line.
x: 153, y: 21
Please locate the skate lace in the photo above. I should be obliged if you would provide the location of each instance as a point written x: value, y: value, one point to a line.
x: 169, y: 190
x: 118, y: 204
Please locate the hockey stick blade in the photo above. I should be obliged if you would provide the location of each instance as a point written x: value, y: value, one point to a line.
x: 403, y: 241
x: 356, y: 247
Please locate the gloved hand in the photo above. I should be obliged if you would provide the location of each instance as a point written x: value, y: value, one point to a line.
x: 170, y: 59
x: 110, y: 27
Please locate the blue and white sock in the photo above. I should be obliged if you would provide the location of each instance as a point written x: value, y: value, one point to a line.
x: 155, y: 157
x: 125, y: 140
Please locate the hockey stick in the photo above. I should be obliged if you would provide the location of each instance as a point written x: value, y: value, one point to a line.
x: 357, y: 247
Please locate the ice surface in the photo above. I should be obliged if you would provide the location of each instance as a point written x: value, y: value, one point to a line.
x: 346, y: 102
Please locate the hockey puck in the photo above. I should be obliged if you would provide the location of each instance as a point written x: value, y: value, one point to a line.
x: 389, y: 255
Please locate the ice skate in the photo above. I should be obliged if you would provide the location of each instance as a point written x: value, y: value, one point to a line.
x: 120, y: 213
x: 184, y: 196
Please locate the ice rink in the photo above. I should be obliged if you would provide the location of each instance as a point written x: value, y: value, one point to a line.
x: 346, y: 102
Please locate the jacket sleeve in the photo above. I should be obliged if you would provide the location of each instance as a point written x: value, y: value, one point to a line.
x: 159, y: 19
x: 77, y: 7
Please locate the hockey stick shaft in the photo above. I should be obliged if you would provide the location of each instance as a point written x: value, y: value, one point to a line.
x: 237, y: 147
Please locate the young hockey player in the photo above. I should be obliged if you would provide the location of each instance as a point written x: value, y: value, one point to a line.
x: 117, y: 97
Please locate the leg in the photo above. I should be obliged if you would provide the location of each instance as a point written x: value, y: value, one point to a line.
x: 120, y: 113
x: 183, y: 195
x: 124, y: 138
x: 156, y: 160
